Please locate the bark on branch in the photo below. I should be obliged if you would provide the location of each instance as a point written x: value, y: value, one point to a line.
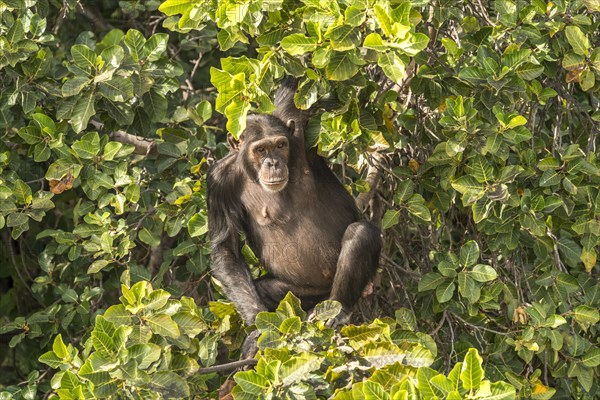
x: 228, y: 366
x: 363, y: 200
x: 143, y: 146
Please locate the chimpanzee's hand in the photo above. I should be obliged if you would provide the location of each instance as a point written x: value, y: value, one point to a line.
x: 341, y: 319
x: 250, y: 346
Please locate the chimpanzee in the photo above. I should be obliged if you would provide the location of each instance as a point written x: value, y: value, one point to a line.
x: 298, y: 219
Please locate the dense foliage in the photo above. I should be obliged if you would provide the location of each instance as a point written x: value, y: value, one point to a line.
x: 469, y: 129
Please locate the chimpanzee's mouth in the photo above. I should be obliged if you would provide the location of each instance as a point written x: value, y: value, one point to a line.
x: 275, y: 181
x: 274, y: 185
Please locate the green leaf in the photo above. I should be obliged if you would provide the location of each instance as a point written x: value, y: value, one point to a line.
x: 113, y: 55
x: 16, y: 219
x: 469, y: 253
x: 548, y: 163
x: 503, y: 391
x: 530, y: 71
x: 430, y: 281
x: 374, y: 41
x: 550, y: 178
x: 406, y: 319
x: 236, y: 116
x: 88, y: 147
x: 445, y: 291
x: 298, y: 368
x: 466, y: 184
x: 22, y: 192
x: 169, y: 385
x: 587, y: 79
x: 405, y: 191
x: 30, y: 134
x: 393, y: 66
x: 390, y: 219
x: 417, y: 208
x: 374, y: 391
x: 59, y: 348
x: 118, y: 315
x: 97, y: 266
x: 173, y: 7
x: 135, y: 42
x: 343, y: 37
x: 163, y: 325
x: 155, y: 46
x: 385, y: 22
x: 483, y: 273
x: 481, y: 169
x: 354, y: 16
x: 516, y: 121
x: 573, y: 61
x: 51, y: 359
x: 341, y: 66
x: 290, y: 326
x: 327, y: 310
x: 307, y: 94
x: 251, y: 382
x: 198, y: 225
x: 426, y: 389
x: 298, y: 44
x: 578, y: 40
x: 45, y: 123
x: 468, y: 288
x: 189, y: 323
x: 111, y: 149
x: 471, y: 373
x: 74, y: 86
x: 586, y: 314
x: 117, y: 89
x: 570, y: 251
x: 268, y: 321
x: 156, y: 299
x: 591, y: 358
x: 83, y: 111
x: 359, y: 336
x: 447, y: 268
x: 155, y: 105
x: 83, y: 56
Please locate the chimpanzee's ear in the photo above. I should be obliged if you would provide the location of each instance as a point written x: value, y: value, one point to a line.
x: 233, y: 142
x: 292, y: 125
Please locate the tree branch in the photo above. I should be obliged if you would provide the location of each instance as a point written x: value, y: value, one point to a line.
x: 373, y: 177
x: 143, y: 146
x: 228, y: 366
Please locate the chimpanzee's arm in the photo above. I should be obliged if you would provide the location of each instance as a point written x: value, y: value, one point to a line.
x: 230, y: 269
x: 225, y: 221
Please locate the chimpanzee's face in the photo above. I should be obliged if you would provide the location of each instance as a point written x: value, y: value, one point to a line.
x: 265, y: 149
x: 270, y: 156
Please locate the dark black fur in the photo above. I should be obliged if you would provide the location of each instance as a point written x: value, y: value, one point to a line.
x: 308, y: 236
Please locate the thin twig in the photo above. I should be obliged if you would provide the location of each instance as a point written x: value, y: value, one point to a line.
x: 481, y: 327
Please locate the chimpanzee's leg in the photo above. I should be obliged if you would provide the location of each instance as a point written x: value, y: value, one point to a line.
x: 356, y: 266
x: 272, y: 290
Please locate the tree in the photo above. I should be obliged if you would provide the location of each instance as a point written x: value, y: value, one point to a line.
x: 473, y: 124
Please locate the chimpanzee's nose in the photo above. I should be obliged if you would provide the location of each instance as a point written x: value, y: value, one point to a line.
x: 272, y: 163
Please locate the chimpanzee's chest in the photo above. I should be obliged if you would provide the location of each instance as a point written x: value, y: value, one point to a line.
x: 297, y: 238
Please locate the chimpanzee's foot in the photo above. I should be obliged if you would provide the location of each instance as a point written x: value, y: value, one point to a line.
x: 250, y: 345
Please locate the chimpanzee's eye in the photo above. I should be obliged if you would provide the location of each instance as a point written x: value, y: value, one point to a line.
x: 280, y: 145
x: 260, y: 149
